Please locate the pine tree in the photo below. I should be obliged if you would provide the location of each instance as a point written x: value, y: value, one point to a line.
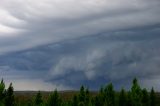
x: 152, y: 97
x: 145, y: 98
x: 38, y: 99
x: 2, y: 89
x: 2, y: 92
x: 9, y: 100
x: 122, y: 98
x: 87, y: 98
x: 136, y: 93
x: 75, y: 101
x: 82, y: 94
x: 54, y: 99
x: 109, y: 95
x: 129, y: 99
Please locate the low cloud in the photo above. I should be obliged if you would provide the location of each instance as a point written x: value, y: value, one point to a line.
x: 51, y: 43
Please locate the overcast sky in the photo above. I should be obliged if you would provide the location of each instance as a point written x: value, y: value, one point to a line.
x: 48, y: 44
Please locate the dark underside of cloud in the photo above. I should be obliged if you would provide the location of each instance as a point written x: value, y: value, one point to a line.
x: 93, y: 61
x: 48, y: 44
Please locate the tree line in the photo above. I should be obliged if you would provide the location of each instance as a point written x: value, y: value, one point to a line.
x: 106, y: 96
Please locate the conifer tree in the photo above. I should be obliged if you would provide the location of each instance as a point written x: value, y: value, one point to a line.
x: 145, y: 98
x: 122, y: 98
x: 54, y: 99
x: 129, y: 99
x: 87, y: 98
x: 2, y: 90
x: 136, y: 93
x: 109, y: 95
x: 152, y: 97
x: 75, y: 101
x: 38, y: 99
x: 82, y: 94
x: 9, y: 99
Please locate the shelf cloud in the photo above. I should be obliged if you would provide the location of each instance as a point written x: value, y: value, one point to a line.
x: 73, y: 42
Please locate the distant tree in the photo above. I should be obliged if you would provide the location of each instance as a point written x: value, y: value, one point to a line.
x: 101, y: 97
x: 122, y: 98
x: 75, y: 101
x: 145, y: 98
x: 109, y: 95
x: 136, y: 93
x: 87, y: 98
x: 9, y: 99
x: 54, y: 99
x: 152, y: 97
x: 129, y: 99
x: 38, y: 99
x: 29, y: 103
x: 2, y: 90
x: 82, y: 94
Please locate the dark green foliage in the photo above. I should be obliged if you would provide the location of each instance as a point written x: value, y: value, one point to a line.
x: 145, y: 98
x: 54, y: 99
x: 109, y: 95
x: 81, y: 104
x: 105, y: 97
x: 2, y: 91
x: 129, y: 99
x: 136, y: 93
x: 82, y: 94
x: 152, y: 97
x: 87, y: 98
x: 38, y: 99
x: 122, y: 98
x: 9, y: 99
x: 98, y: 100
x: 75, y: 101
x: 29, y: 103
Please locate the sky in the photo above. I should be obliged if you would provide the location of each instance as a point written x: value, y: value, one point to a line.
x: 49, y: 44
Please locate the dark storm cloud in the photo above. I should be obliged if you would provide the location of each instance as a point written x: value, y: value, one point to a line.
x: 55, y: 45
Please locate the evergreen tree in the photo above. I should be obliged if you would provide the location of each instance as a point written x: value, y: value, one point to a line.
x: 82, y: 94
x: 109, y: 95
x: 54, y: 99
x: 87, y: 98
x: 75, y: 101
x: 129, y: 99
x: 136, y: 93
x: 145, y: 98
x: 2, y: 90
x: 29, y: 102
x: 152, y: 97
x: 122, y: 98
x: 101, y: 97
x: 9, y: 100
x: 38, y: 99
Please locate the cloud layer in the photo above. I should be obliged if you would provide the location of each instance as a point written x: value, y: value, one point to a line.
x: 71, y: 42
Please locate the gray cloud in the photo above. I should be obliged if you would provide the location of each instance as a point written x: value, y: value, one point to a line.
x: 55, y: 45
x: 55, y: 21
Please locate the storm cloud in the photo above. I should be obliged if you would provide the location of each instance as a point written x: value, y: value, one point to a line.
x: 66, y: 43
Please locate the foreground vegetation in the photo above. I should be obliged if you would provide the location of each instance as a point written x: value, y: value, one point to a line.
x: 106, y: 96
